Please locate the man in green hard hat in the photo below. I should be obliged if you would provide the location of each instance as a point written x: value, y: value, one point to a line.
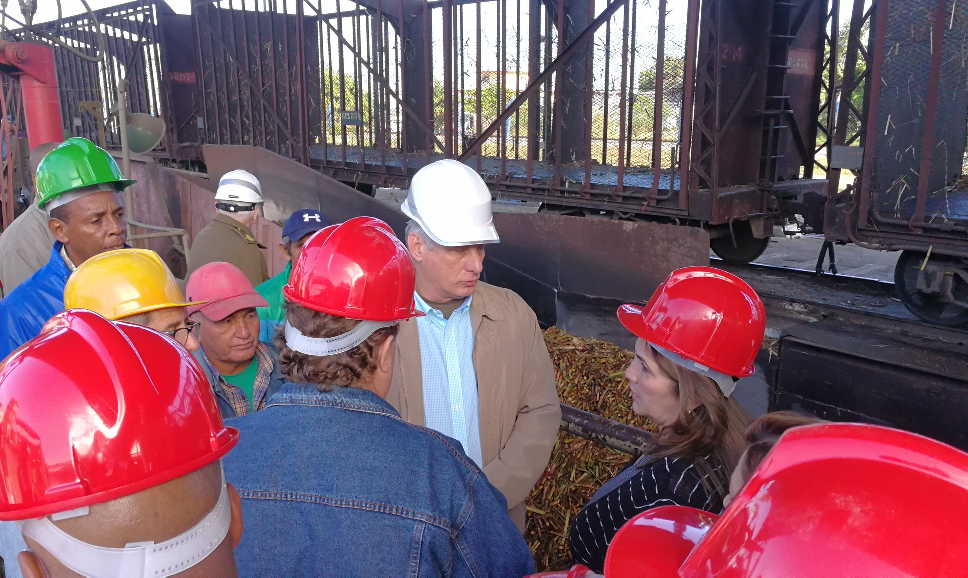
x: 78, y: 185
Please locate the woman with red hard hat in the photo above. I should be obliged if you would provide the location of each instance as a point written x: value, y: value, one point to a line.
x: 699, y: 333
x: 333, y: 481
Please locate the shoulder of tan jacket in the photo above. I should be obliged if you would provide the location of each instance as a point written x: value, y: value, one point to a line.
x: 505, y: 299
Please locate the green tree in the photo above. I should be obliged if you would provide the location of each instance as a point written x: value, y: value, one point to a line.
x: 672, y: 77
x: 341, y: 94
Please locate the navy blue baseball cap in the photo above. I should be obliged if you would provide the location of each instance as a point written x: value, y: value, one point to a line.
x: 302, y: 223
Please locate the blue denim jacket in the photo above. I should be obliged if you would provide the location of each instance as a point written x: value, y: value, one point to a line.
x: 337, y: 484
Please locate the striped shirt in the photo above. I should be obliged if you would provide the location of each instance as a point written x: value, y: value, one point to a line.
x: 646, y: 484
x: 449, y: 379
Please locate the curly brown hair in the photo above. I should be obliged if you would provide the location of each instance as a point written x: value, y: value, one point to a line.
x: 714, y: 427
x: 342, y: 370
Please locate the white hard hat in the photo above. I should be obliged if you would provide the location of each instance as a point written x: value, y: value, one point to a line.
x: 452, y: 205
x: 239, y: 186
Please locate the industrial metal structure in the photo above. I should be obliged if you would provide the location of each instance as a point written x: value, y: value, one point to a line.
x: 666, y: 125
x: 730, y: 115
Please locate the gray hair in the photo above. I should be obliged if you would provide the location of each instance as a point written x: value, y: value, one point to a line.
x: 142, y: 319
x: 414, y: 228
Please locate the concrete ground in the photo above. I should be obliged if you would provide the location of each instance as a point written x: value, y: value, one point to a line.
x: 852, y: 261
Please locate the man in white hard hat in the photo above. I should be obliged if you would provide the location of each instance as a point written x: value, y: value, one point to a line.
x: 229, y: 237
x: 475, y: 367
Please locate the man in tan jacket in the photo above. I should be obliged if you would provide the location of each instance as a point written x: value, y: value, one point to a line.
x: 25, y: 243
x: 229, y: 236
x: 475, y: 366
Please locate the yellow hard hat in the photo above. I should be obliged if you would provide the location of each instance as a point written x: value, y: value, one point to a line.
x: 124, y: 282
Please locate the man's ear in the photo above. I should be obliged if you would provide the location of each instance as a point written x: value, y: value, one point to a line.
x: 385, y: 353
x: 30, y: 565
x: 236, y: 525
x: 57, y: 229
x: 416, y: 246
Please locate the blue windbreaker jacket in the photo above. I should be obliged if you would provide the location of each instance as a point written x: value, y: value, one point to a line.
x: 25, y: 311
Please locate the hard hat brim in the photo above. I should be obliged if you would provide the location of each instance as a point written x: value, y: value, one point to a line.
x: 290, y: 296
x: 630, y: 316
x: 157, y: 307
x: 484, y: 235
x: 219, y: 309
x: 125, y: 183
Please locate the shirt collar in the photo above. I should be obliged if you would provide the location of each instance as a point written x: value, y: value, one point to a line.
x: 425, y: 307
x: 67, y: 260
x: 351, y: 398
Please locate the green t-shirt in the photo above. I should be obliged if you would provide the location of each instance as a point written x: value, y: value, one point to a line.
x: 271, y: 291
x: 245, y: 380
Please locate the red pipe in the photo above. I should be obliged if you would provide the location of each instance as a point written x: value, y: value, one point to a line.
x: 38, y: 84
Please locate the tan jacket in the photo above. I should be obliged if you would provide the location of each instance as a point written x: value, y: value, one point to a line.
x: 517, y: 398
x: 24, y: 247
x: 225, y: 239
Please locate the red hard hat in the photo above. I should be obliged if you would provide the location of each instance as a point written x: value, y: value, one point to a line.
x: 655, y: 542
x: 91, y: 411
x: 357, y: 269
x: 845, y: 499
x: 705, y: 315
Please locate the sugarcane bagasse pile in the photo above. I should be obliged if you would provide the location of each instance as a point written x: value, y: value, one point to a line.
x: 590, y: 376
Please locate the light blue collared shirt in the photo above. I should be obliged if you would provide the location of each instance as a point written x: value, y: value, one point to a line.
x: 449, y: 379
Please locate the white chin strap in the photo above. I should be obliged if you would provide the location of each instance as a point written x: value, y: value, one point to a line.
x: 324, y: 346
x: 136, y: 559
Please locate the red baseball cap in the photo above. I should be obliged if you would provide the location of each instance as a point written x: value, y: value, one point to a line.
x: 224, y: 287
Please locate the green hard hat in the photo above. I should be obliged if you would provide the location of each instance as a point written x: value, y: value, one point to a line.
x: 76, y: 163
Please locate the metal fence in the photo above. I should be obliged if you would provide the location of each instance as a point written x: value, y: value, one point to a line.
x: 372, y: 90
x: 131, y: 42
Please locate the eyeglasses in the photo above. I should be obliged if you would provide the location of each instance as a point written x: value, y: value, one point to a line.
x: 181, y: 334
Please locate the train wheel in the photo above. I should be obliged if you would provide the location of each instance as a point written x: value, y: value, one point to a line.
x: 928, y: 307
x: 746, y: 249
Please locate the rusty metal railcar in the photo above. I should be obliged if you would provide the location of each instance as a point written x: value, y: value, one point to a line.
x: 703, y: 112
x: 909, y: 62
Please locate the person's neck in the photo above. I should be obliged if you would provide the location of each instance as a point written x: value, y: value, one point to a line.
x: 245, y: 221
x: 446, y: 307
x: 378, y: 384
x: 436, y: 300
x: 229, y: 368
x: 75, y: 260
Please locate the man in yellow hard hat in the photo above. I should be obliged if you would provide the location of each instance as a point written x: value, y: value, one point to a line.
x: 134, y: 286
